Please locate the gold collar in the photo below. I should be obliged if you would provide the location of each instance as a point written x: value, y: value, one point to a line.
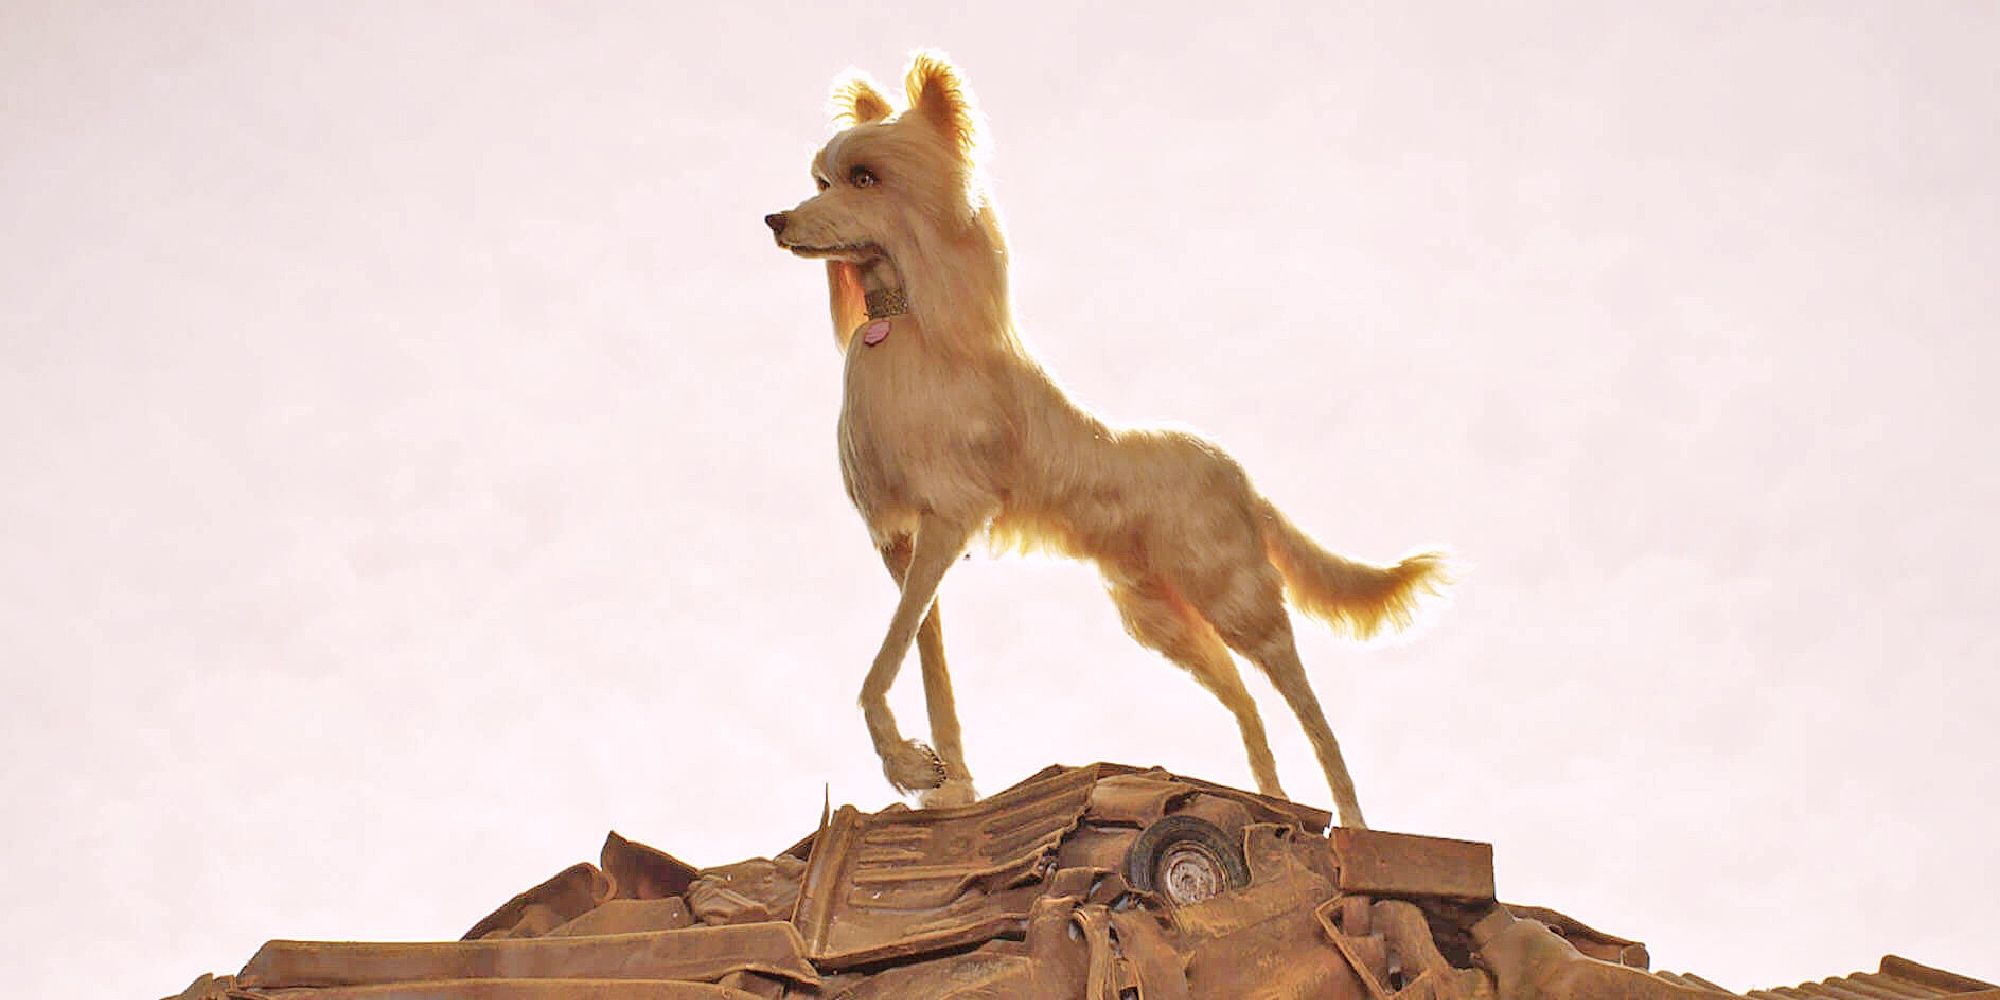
x: 886, y: 302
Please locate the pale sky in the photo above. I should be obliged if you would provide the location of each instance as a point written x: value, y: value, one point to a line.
x: 419, y: 460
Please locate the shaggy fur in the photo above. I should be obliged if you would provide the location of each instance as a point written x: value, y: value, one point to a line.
x: 949, y: 429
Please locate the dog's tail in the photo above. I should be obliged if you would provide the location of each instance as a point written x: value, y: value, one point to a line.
x: 1354, y: 598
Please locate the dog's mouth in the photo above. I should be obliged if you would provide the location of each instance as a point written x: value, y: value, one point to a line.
x: 852, y: 253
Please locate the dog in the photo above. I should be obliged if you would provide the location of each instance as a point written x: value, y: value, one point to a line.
x: 949, y: 429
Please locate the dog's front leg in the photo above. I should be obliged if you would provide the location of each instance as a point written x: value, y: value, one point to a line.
x: 938, y: 701
x: 909, y: 765
x: 942, y: 708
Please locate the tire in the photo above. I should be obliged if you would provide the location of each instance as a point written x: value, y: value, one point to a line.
x: 1186, y: 859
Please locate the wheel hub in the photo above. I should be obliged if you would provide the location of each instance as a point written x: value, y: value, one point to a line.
x: 1190, y: 873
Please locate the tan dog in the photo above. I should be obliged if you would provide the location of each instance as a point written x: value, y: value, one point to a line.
x: 950, y: 429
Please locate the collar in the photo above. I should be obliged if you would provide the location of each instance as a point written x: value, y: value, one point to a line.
x: 886, y: 302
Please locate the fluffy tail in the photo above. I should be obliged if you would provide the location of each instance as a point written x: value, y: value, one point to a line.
x: 1354, y: 598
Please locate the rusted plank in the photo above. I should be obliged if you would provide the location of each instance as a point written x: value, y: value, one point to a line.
x: 641, y: 872
x: 629, y: 916
x: 826, y: 879
x: 700, y: 954
x: 1376, y: 863
x: 1902, y: 968
x: 512, y: 989
x: 564, y: 897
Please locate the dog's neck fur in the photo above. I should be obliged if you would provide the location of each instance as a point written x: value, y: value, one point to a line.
x: 882, y: 289
x: 955, y: 288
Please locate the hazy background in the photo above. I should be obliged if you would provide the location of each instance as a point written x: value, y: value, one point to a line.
x: 418, y: 460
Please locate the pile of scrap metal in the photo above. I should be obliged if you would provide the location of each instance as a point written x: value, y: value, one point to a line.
x: 1094, y: 883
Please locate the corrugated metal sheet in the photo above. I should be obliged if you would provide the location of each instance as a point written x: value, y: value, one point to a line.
x: 899, y: 883
x: 1897, y: 979
x: 1693, y: 982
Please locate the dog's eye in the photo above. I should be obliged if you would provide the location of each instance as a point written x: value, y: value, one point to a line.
x: 821, y: 182
x: 862, y: 177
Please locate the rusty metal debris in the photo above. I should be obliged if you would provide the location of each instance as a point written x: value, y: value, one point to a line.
x: 1103, y: 882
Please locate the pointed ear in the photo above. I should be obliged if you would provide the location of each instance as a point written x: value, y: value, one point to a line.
x: 939, y: 94
x: 856, y: 101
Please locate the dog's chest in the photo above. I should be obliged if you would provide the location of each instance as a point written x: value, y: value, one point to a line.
x: 914, y: 432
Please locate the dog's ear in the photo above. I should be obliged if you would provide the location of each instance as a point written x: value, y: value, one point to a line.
x: 939, y: 94
x: 856, y: 101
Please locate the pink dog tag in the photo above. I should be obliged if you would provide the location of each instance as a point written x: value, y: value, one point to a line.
x: 875, y: 333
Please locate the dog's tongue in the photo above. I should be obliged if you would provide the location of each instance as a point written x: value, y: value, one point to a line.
x: 875, y: 333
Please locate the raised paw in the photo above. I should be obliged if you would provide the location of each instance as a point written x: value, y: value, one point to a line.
x: 913, y: 767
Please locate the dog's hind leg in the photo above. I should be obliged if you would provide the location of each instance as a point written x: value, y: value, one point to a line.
x: 909, y: 765
x: 1162, y: 621
x: 1280, y: 662
x: 1249, y: 613
x: 938, y: 701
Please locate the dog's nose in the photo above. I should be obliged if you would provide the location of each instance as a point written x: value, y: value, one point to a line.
x: 776, y: 220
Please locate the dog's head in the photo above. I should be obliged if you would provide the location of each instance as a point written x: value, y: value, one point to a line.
x: 892, y: 184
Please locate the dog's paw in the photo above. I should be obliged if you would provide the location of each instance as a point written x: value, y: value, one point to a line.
x: 954, y: 792
x: 913, y: 767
